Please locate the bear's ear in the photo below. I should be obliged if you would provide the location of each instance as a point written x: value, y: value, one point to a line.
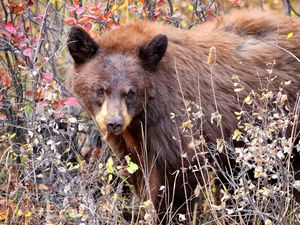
x: 152, y: 53
x: 81, y: 45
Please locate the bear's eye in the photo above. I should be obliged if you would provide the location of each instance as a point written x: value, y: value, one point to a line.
x: 130, y: 95
x: 101, y: 92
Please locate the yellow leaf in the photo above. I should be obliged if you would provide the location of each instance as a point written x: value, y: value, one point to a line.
x: 53, y: 2
x: 293, y: 13
x: 283, y: 100
x: 115, y: 6
x: 238, y: 115
x: 268, y: 222
x: 236, y: 134
x: 187, y: 124
x: 235, y: 78
x: 290, y: 35
x: 124, y: 5
x: 28, y: 214
x: 75, y: 167
x: 265, y: 191
x: 183, y: 24
x: 3, y: 215
x: 110, y: 177
x: 190, y: 7
x: 238, y: 89
x: 19, y: 212
x: 54, y: 85
x: 288, y: 82
x: 248, y: 100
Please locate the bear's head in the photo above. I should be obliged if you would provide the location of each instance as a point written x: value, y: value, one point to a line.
x: 112, y: 85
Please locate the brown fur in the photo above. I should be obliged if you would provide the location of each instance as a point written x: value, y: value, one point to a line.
x: 244, y: 42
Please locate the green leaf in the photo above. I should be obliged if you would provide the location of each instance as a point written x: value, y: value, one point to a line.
x: 28, y: 110
x: 110, y: 165
x: 131, y: 166
x: 71, y: 214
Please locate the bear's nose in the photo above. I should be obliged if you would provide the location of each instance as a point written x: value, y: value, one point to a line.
x: 114, y: 125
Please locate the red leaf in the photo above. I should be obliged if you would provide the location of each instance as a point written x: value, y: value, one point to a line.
x: 40, y: 108
x: 39, y: 93
x: 79, y: 11
x: 2, y: 117
x: 5, y: 80
x: 9, y: 27
x: 235, y: 2
x: 44, y: 104
x: 110, y: 24
x: 29, y: 93
x: 88, y: 26
x: 70, y: 21
x: 91, y: 17
x: 29, y: 3
x: 75, y: 2
x: 16, y: 9
x: 84, y: 20
x: 40, y: 16
x: 99, y: 4
x: 22, y: 45
x: 106, y: 15
x: 27, y: 52
x: 47, y: 77
x: 93, y: 10
x: 71, y: 8
x: 160, y: 4
x: 93, y: 154
x: 70, y: 101
x: 157, y: 14
x: 4, y: 32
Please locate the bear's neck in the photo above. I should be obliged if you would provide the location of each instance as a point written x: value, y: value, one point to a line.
x: 154, y: 137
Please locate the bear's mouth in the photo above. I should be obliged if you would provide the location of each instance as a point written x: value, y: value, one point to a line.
x: 115, y: 132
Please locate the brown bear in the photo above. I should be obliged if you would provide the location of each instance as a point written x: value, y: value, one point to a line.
x: 140, y: 82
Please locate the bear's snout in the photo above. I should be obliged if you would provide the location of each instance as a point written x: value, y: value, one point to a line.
x: 114, y: 125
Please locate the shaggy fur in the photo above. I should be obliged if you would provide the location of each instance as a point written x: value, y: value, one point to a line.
x: 245, y: 42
